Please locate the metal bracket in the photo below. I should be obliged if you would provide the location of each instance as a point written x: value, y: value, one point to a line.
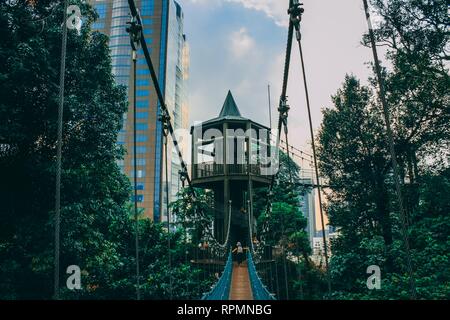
x: 135, y: 31
x: 284, y: 110
x: 296, y: 12
x: 165, y: 119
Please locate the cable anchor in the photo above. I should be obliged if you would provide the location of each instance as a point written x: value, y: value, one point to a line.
x: 135, y: 31
x: 284, y: 110
x: 164, y: 118
x: 296, y: 12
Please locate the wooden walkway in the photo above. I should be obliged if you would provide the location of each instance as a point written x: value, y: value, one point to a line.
x: 240, y: 283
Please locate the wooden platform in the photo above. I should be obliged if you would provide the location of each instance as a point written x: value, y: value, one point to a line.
x: 240, y: 283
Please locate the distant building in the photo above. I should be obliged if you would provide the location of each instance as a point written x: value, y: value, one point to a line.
x: 318, y: 255
x: 308, y: 202
x: 163, y: 31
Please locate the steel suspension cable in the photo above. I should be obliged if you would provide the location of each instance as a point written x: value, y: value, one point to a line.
x: 169, y: 253
x: 282, y: 218
x: 163, y: 107
x: 390, y: 139
x: 162, y: 104
x: 57, y: 221
x: 136, y: 214
x: 282, y: 101
x: 134, y: 29
x: 296, y: 13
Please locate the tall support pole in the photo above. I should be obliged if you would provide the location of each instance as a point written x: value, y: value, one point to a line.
x: 398, y: 189
x: 168, y: 207
x: 226, y: 182
x: 296, y: 14
x: 135, y: 31
x: 57, y: 221
x: 136, y: 213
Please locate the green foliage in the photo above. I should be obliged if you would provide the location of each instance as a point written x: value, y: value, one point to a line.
x: 97, y: 228
x: 354, y: 158
x: 194, y: 216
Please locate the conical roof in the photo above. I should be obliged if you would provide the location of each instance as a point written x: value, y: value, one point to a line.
x: 229, y: 107
x: 229, y: 112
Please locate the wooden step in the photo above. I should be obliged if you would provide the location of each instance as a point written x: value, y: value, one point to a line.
x: 240, y: 283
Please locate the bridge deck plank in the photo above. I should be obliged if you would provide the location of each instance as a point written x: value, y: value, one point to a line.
x: 240, y: 283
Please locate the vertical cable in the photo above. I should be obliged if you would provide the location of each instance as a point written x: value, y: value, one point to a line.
x: 284, y: 259
x: 270, y: 108
x: 136, y: 214
x: 59, y: 153
x: 277, y: 279
x: 316, y: 167
x: 168, y: 212
x: 390, y: 138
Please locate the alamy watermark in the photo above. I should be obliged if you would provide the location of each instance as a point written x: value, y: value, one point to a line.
x: 374, y: 280
x: 232, y: 147
x: 74, y: 280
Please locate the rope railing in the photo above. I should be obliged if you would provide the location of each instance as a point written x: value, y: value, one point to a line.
x: 221, y: 290
x: 259, y: 290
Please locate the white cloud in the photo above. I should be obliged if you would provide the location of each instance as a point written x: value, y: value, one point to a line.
x: 241, y: 43
x: 274, y: 9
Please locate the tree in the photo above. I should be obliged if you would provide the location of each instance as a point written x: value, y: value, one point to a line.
x: 93, y: 189
x: 194, y: 216
x: 354, y: 158
x: 97, y: 226
x: 285, y: 227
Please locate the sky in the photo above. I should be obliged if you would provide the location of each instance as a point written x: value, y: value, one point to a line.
x: 240, y: 45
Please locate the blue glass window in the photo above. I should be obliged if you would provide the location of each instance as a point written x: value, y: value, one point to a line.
x: 148, y: 31
x: 142, y: 62
x: 140, y: 186
x: 142, y: 115
x: 142, y: 93
x: 141, y: 126
x: 141, y: 149
x: 141, y: 138
x: 146, y: 22
x: 142, y: 82
x: 139, y: 198
x: 142, y: 72
x: 140, y: 162
x: 142, y: 104
x: 101, y: 10
x: 147, y: 8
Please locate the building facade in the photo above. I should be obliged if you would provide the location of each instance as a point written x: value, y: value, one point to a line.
x: 308, y: 203
x: 163, y: 30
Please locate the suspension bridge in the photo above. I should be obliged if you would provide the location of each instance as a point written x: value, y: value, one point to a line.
x: 232, y: 155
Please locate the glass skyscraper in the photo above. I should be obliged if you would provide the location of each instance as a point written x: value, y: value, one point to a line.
x: 163, y: 31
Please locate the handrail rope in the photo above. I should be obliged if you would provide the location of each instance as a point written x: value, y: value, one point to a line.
x: 225, y: 244
x: 250, y: 228
x: 259, y: 290
x: 293, y: 147
x: 221, y: 290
